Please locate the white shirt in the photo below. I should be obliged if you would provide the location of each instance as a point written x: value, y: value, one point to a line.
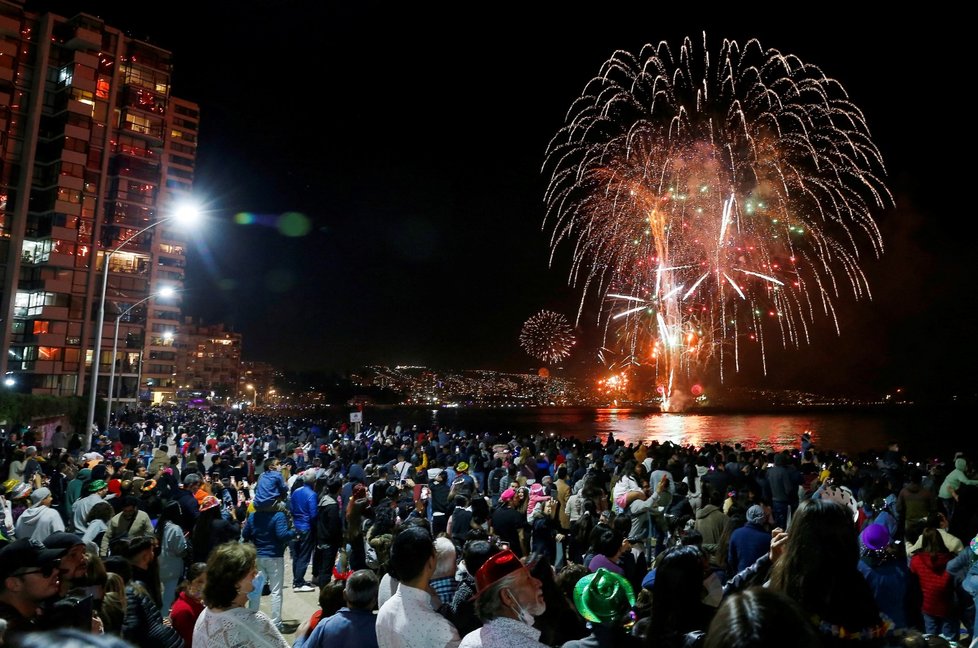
x: 407, y: 620
x: 237, y: 628
x: 505, y: 633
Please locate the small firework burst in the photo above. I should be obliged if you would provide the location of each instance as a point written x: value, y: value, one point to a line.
x: 547, y: 336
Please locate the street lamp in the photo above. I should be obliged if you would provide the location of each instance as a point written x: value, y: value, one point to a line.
x: 254, y: 402
x: 183, y: 213
x: 166, y: 291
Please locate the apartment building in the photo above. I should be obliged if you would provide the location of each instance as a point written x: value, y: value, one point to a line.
x: 95, y: 156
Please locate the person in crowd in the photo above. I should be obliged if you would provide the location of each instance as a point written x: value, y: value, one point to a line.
x: 130, y: 522
x: 98, y: 523
x: 607, y: 548
x: 475, y: 553
x: 929, y: 565
x: 885, y: 572
x: 226, y: 622
x: 268, y: 529
x: 508, y: 523
x: 353, y: 626
x: 826, y: 582
x: 304, y: 505
x: 682, y: 605
x: 189, y: 603
x: 330, y: 602
x: 173, y: 552
x: 605, y: 599
x: 28, y: 577
x: 509, y: 598
x: 143, y: 625
x: 97, y: 491
x: 710, y: 519
x: 186, y: 496
x: 211, y: 529
x: 40, y: 520
x: 914, y: 502
x: 760, y: 618
x: 939, y: 522
x: 749, y: 542
x: 443, y: 578
x: 75, y: 562
x: 406, y: 619
x: 955, y: 479
x: 329, y: 529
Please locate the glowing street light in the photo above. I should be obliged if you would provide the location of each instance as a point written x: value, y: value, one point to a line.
x: 165, y: 291
x: 183, y: 213
x: 251, y: 388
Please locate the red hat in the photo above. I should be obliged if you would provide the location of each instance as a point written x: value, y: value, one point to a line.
x: 115, y: 487
x: 498, y: 566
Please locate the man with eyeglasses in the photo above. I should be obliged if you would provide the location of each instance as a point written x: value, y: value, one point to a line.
x: 28, y: 576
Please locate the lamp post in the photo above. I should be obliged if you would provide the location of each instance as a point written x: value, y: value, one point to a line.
x: 184, y: 213
x: 254, y: 402
x: 166, y: 291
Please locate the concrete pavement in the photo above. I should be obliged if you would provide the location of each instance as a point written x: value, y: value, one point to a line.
x: 297, y: 607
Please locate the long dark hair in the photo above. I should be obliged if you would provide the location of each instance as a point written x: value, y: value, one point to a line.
x: 677, y: 594
x: 200, y: 537
x: 819, y: 566
x: 171, y: 513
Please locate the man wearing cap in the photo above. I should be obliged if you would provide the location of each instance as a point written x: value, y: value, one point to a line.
x: 28, y: 576
x: 96, y: 493
x: 507, y: 600
x: 40, y: 520
x: 73, y: 566
x: 605, y: 599
x: 463, y: 484
x: 406, y: 619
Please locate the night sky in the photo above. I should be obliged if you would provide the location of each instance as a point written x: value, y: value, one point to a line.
x: 413, y: 140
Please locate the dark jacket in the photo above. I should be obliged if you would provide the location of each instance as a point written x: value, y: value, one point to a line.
x: 269, y: 531
x: 747, y: 544
x: 329, y: 524
x: 143, y: 625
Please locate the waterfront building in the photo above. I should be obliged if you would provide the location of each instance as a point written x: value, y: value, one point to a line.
x: 93, y: 149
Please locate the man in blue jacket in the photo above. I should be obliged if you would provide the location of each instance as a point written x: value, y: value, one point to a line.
x: 268, y: 529
x: 304, y: 511
x: 749, y: 542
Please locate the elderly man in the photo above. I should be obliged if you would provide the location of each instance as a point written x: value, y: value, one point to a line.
x: 406, y: 619
x: 509, y: 598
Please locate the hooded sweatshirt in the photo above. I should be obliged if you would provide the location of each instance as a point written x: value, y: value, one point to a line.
x: 955, y: 479
x: 38, y: 522
x: 76, y: 488
x: 710, y: 521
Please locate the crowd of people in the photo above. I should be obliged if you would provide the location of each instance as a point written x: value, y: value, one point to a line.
x: 171, y: 528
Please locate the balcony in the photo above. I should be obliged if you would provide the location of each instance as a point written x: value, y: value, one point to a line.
x: 84, y: 38
x: 9, y: 26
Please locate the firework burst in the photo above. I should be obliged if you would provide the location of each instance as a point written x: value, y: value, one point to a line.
x: 712, y: 202
x: 547, y: 336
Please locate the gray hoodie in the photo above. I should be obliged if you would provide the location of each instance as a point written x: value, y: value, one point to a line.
x: 38, y: 522
x: 955, y: 478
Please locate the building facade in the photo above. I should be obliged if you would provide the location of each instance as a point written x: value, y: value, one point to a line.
x: 210, y: 359
x: 94, y: 154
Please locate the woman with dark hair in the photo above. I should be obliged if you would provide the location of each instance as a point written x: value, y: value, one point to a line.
x: 227, y: 622
x: 211, y: 529
x: 189, y: 604
x: 560, y: 622
x: 98, y: 523
x: 679, y: 616
x: 760, y: 618
x: 818, y: 569
x: 607, y: 546
x: 173, y: 550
